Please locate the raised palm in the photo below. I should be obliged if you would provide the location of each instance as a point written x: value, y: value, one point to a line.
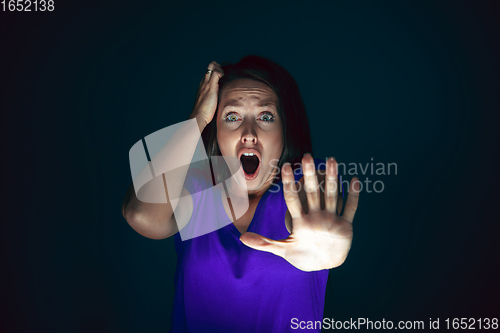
x: 321, y: 238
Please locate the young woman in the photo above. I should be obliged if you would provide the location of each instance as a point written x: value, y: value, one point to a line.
x: 267, y: 270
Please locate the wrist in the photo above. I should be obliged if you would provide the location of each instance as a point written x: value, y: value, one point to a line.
x: 202, y: 123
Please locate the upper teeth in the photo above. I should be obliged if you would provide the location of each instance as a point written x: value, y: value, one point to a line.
x: 248, y: 154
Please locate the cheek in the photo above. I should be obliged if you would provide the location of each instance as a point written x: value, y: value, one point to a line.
x: 278, y: 138
x: 224, y: 140
x: 274, y: 142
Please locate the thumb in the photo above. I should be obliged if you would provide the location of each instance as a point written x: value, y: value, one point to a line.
x: 261, y: 243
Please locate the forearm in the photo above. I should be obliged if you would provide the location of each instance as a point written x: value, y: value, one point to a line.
x: 152, y: 220
x: 150, y: 209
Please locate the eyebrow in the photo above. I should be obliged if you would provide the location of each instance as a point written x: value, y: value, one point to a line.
x: 236, y: 103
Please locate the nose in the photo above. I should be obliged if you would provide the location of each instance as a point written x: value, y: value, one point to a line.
x: 249, y: 135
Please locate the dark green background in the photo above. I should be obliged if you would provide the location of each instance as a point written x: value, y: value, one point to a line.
x: 406, y: 82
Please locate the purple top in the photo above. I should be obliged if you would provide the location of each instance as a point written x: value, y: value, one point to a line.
x: 221, y: 285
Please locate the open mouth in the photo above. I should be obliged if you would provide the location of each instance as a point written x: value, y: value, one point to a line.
x: 250, y: 163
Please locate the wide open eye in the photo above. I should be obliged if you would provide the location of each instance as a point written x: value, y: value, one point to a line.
x: 267, y: 117
x: 230, y: 117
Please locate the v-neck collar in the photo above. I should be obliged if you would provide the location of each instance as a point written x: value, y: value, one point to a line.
x: 252, y: 223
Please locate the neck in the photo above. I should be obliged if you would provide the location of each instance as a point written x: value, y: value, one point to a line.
x: 258, y: 193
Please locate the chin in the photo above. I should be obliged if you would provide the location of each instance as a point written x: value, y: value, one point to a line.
x: 260, y: 180
x: 248, y: 182
x: 252, y: 172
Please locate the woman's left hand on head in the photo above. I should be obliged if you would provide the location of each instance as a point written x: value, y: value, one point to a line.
x: 321, y: 238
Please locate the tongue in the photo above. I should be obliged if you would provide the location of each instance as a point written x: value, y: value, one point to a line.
x: 249, y: 163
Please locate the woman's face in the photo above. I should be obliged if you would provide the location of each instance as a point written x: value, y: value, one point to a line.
x: 249, y: 129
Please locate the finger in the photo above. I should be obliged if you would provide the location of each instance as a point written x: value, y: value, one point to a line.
x: 218, y: 68
x: 331, y: 192
x: 262, y: 243
x: 290, y: 192
x: 215, y: 77
x: 311, y: 183
x: 207, y: 77
x: 352, y: 200
x: 209, y: 71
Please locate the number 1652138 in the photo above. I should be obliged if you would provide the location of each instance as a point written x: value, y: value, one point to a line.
x: 27, y: 5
